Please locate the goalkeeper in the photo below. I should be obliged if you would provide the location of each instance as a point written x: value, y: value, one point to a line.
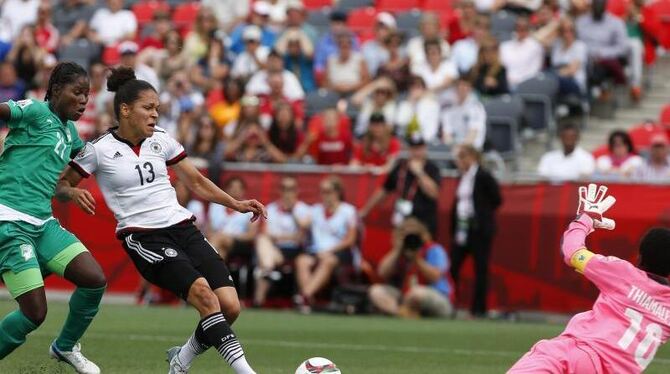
x: 631, y: 317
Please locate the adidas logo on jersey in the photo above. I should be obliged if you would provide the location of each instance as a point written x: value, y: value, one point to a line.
x: 117, y: 155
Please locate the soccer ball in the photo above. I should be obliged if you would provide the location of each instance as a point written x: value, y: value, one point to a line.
x: 317, y: 365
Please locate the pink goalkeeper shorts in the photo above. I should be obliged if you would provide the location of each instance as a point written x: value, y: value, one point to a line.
x: 559, y: 355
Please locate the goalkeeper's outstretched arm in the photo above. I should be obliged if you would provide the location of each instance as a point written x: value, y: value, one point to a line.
x: 573, y: 246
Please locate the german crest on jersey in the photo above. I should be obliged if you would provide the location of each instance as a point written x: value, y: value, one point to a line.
x: 156, y: 147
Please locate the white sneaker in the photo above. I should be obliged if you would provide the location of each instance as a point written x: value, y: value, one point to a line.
x: 75, y: 359
x: 176, y: 367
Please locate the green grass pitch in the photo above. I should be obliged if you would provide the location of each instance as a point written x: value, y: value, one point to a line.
x: 131, y: 339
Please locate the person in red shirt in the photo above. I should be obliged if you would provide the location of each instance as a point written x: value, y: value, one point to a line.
x: 379, y: 148
x: 160, y: 27
x: 46, y: 34
x: 270, y: 101
x: 330, y: 145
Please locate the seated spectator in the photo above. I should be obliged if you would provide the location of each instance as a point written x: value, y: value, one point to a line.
x: 396, y: 64
x: 229, y: 13
x: 11, y: 86
x: 249, y: 144
x: 26, y: 55
x: 489, y: 76
x: 621, y: 159
x: 213, y: 68
x: 153, y: 35
x: 327, y: 46
x: 227, y: 110
x: 636, y: 47
x: 379, y: 148
x: 331, y: 145
x: 545, y: 25
x: 463, y: 22
x: 657, y: 167
x: 346, y: 70
x: 296, y: 15
x: 128, y: 52
x: 414, y: 273
x: 571, y: 162
x: 259, y: 83
x: 569, y: 60
x: 465, y: 121
x: 177, y: 100
x: 112, y: 24
x: 419, y: 112
x: 41, y: 82
x: 333, y: 230
x: 606, y: 41
x: 282, y: 238
x: 232, y: 233
x: 275, y: 97
x: 259, y: 17
x: 196, y: 41
x: 171, y: 59
x: 374, y: 50
x: 523, y: 56
x: 465, y: 51
x: 253, y: 57
x: 249, y: 113
x: 71, y: 18
x: 284, y: 135
x: 437, y: 71
x: 16, y: 14
x: 298, y: 53
x: 86, y: 126
x: 430, y: 30
x: 46, y: 34
x: 377, y: 96
x: 207, y: 143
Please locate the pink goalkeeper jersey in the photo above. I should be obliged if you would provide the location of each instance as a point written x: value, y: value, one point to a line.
x: 631, y: 317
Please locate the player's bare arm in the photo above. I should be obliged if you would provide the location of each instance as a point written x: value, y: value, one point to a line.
x: 66, y: 190
x: 203, y: 187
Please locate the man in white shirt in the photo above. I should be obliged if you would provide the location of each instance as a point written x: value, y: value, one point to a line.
x: 657, y: 168
x: 254, y: 56
x: 258, y: 84
x: 374, y: 51
x: 569, y: 163
x: 15, y: 14
x: 430, y: 29
x: 522, y: 56
x: 229, y: 13
x: 419, y: 112
x: 464, y: 122
x: 112, y: 24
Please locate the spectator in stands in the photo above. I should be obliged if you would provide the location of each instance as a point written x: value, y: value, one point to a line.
x: 473, y: 226
x: 438, y: 72
x: 379, y: 148
x: 232, y: 233
x: 465, y: 51
x: 197, y: 40
x: 298, y: 53
x: 41, y: 80
x: 463, y: 22
x: 569, y: 60
x: 180, y: 103
x: 377, y: 96
x: 249, y: 113
x: 259, y: 17
x: 396, y: 65
x: 607, y: 43
x: 207, y: 142
x: 417, y: 182
x: 414, y: 273
x: 153, y: 35
x: 71, y: 18
x: 254, y: 56
x: 259, y: 83
x: 621, y: 159
x: 249, y: 144
x: 26, y: 55
x: 571, y: 162
x: 430, y: 30
x: 213, y: 68
x: 327, y: 45
x: 282, y: 238
x: 128, y: 52
x: 419, y: 112
x: 86, y: 126
x: 346, y: 70
x: 657, y: 167
x: 186, y: 199
x: 295, y: 20
x: 489, y: 75
x: 465, y: 121
x: 330, y: 145
x: 277, y: 14
x: 284, y: 134
x: 374, y: 50
x: 333, y: 230
x: 46, y: 34
x: 227, y: 110
x: 173, y: 58
x: 112, y: 24
x: 275, y: 97
x: 11, y: 86
x: 229, y: 13
x: 634, y: 19
x: 523, y: 56
x: 545, y: 24
x: 18, y: 13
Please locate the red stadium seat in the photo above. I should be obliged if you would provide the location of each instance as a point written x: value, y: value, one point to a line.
x: 642, y: 134
x: 664, y: 120
x: 185, y: 14
x: 618, y: 7
x: 656, y: 21
x: 437, y: 5
x: 397, y: 5
x: 144, y: 11
x: 317, y: 4
x: 362, y: 18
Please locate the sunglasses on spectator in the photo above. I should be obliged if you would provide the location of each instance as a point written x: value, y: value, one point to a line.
x: 288, y: 187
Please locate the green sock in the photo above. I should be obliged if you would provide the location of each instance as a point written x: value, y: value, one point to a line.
x: 84, y: 304
x: 13, y: 330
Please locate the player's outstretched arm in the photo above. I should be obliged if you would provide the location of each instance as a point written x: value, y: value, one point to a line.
x: 66, y: 190
x: 205, y: 188
x: 574, y: 238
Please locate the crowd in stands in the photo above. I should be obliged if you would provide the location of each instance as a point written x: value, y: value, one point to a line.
x: 280, y: 81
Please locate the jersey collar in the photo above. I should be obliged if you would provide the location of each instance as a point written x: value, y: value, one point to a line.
x: 135, y: 147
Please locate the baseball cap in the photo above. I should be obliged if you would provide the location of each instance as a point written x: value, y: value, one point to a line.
x: 252, y: 32
x: 128, y: 48
x: 387, y: 19
x: 262, y: 8
x: 415, y: 139
x: 659, y: 139
x: 249, y: 100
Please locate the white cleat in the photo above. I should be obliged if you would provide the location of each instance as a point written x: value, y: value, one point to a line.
x: 75, y: 359
x: 176, y: 367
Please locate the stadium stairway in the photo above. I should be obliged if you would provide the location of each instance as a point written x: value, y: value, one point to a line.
x: 627, y: 115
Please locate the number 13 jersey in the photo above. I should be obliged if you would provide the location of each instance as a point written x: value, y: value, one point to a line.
x: 134, y: 179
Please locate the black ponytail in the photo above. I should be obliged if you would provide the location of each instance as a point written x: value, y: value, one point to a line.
x: 64, y: 73
x: 127, y: 87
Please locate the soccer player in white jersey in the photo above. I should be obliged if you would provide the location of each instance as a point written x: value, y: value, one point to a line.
x: 130, y: 164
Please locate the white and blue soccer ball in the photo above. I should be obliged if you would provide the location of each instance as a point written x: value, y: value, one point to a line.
x: 317, y: 365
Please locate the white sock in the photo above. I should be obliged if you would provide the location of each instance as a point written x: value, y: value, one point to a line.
x: 241, y: 366
x: 189, y: 350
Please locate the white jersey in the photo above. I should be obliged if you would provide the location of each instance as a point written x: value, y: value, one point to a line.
x: 329, y: 230
x: 134, y: 179
x: 284, y: 222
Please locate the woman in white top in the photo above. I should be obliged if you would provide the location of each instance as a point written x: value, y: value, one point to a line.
x: 333, y: 229
x: 376, y: 97
x: 438, y: 72
x: 346, y: 71
x: 569, y: 59
x: 621, y: 160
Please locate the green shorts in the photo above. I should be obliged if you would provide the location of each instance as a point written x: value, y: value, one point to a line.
x: 28, y: 251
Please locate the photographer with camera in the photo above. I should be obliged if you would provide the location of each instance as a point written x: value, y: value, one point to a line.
x: 415, y: 272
